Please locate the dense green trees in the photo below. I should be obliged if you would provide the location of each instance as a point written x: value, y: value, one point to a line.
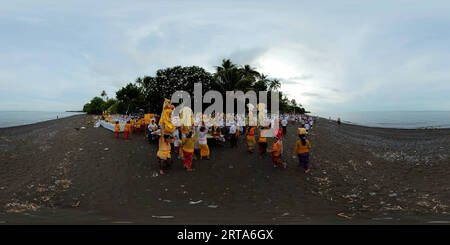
x: 95, y: 106
x: 148, y: 93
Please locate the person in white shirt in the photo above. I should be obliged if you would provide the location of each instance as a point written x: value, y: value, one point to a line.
x: 284, y: 125
x: 152, y: 127
x: 177, y: 142
x: 203, y: 142
x: 233, y: 137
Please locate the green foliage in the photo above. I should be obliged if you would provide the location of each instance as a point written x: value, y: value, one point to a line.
x: 148, y: 93
x: 130, y: 99
x: 169, y: 80
x: 113, y: 109
x: 95, y: 106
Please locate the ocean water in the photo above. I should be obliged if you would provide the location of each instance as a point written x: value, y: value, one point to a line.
x: 17, y: 118
x: 394, y: 119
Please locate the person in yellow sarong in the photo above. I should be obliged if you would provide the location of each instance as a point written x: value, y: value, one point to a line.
x: 138, y: 126
x: 133, y: 125
x: 203, y: 143
x: 163, y: 154
x: 117, y: 129
x: 251, y: 138
x: 126, y: 130
x: 262, y: 142
x: 188, y: 150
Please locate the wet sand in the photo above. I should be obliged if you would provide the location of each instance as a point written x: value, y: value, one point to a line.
x: 55, y: 172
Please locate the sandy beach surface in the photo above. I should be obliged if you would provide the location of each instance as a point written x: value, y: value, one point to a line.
x: 57, y: 172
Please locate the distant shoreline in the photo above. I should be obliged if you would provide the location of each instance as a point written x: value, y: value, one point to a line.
x: 349, y: 123
x: 375, y: 127
x: 38, y: 122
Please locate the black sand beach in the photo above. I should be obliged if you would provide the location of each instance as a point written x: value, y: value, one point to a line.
x: 55, y: 172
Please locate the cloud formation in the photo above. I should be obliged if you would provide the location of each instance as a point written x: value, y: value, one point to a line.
x: 332, y: 55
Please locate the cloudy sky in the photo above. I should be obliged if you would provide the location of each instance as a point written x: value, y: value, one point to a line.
x: 330, y: 55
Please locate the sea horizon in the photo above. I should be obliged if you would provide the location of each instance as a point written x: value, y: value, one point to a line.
x: 402, y: 119
x: 383, y: 119
x: 21, y: 117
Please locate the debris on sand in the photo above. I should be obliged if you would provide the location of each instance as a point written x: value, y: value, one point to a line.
x: 213, y: 206
x: 163, y: 216
x: 439, y: 222
x: 285, y: 214
x: 16, y: 207
x: 41, y: 189
x: 195, y: 202
x: 343, y: 216
x: 106, y: 149
x: 65, y: 183
x: 76, y: 204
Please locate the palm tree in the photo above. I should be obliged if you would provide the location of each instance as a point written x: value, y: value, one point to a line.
x: 227, y: 76
x: 103, y: 94
x: 249, y: 71
x: 274, y: 85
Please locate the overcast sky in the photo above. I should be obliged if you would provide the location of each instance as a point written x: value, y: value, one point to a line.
x: 330, y: 55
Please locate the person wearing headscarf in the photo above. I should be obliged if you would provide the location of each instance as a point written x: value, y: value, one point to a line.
x: 163, y: 154
x: 302, y: 147
x: 188, y: 150
x: 203, y: 142
x: 126, y: 130
x: 276, y: 153
x: 117, y: 129
x: 251, y: 138
x: 151, y: 128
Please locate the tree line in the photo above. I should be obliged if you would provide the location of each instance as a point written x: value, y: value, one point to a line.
x: 147, y: 93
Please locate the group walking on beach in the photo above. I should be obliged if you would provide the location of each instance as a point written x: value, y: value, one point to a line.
x: 191, y: 142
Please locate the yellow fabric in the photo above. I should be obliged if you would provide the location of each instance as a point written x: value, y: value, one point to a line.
x: 163, y: 154
x: 147, y: 118
x: 169, y: 128
x: 181, y: 152
x: 184, y: 130
x: 301, y: 130
x: 127, y: 127
x: 276, y: 149
x: 299, y: 148
x: 251, y: 140
x: 204, y: 150
x: 188, y: 143
x: 117, y: 128
x: 251, y: 131
x: 166, y: 113
x: 261, y: 139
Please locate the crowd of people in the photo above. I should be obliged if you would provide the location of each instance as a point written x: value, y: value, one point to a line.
x: 190, y: 143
